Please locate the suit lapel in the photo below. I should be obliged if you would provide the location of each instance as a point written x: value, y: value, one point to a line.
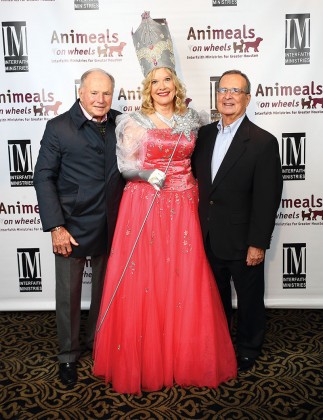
x: 208, y: 151
x: 236, y: 149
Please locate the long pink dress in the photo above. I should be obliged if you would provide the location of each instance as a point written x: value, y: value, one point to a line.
x: 166, y: 323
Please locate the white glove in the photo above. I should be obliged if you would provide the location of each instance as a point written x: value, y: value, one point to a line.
x: 157, y: 179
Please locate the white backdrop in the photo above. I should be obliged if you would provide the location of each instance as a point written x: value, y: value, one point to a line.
x: 47, y: 45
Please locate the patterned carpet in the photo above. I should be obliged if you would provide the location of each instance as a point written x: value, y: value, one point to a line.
x: 286, y: 382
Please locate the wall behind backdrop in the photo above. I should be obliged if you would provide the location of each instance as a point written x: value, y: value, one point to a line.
x: 46, y: 46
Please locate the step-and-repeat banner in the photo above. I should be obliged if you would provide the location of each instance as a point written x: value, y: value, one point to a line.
x: 47, y: 44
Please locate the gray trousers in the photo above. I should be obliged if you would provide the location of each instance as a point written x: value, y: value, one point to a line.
x: 69, y: 276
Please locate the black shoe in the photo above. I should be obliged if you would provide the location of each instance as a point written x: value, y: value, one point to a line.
x: 245, y: 363
x: 68, y: 373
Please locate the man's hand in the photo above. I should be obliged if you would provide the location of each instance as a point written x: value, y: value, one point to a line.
x: 62, y: 240
x: 255, y: 256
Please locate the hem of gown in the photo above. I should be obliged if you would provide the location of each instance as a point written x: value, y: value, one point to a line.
x: 138, y: 392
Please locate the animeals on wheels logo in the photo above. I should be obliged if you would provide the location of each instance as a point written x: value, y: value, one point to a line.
x: 28, y: 106
x: 15, y: 50
x: 293, y: 156
x: 297, y: 39
x: 212, y: 42
x: 29, y: 270
x: 301, y: 211
x: 20, y: 163
x: 289, y: 99
x: 294, y: 266
x: 85, y: 47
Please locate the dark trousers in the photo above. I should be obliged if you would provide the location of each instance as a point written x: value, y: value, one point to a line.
x: 69, y: 276
x: 248, y: 282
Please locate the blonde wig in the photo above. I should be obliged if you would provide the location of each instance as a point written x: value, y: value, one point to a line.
x: 147, y: 106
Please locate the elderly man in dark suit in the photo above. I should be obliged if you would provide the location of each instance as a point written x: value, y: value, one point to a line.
x: 78, y: 188
x: 238, y: 168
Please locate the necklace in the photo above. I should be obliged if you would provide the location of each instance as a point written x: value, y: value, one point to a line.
x: 168, y: 121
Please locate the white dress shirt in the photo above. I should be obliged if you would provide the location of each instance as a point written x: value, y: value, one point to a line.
x: 222, y: 143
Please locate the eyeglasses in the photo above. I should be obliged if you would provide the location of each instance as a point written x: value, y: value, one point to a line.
x: 233, y: 91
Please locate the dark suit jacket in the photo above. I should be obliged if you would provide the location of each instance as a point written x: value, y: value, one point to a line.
x: 77, y: 181
x: 238, y: 208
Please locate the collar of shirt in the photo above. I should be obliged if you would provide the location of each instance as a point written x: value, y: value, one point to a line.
x: 231, y: 128
x: 89, y: 117
x: 222, y: 143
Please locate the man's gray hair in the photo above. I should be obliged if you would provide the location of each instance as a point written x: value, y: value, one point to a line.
x: 88, y: 72
x: 241, y: 74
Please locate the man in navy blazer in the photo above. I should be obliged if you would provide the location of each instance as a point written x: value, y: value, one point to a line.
x: 238, y: 168
x: 79, y: 188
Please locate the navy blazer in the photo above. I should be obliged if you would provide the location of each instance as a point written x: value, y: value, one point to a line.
x: 238, y: 209
x: 77, y: 180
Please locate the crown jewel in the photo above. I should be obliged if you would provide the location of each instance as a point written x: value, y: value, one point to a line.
x: 153, y: 44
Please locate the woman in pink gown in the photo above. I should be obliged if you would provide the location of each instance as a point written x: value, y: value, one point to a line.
x: 163, y: 324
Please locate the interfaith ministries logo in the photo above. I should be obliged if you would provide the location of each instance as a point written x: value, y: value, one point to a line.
x: 214, y: 83
x: 297, y: 39
x: 86, y: 4
x: 293, y: 156
x: 77, y: 84
x: 216, y: 3
x: 15, y: 50
x: 29, y: 270
x: 20, y: 163
x: 294, y: 266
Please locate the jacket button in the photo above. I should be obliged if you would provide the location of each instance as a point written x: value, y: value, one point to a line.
x: 211, y: 202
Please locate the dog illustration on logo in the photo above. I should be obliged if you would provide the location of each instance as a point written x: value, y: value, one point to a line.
x: 306, y: 104
x: 306, y: 215
x: 316, y: 213
x: 38, y: 111
x: 116, y: 48
x: 238, y: 47
x: 103, y: 50
x: 253, y: 44
x: 54, y: 107
x: 317, y: 101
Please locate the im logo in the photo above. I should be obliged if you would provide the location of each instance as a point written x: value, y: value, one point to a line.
x: 293, y: 156
x: 29, y: 269
x: 20, y: 163
x: 294, y: 266
x: 297, y: 39
x: 15, y: 49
